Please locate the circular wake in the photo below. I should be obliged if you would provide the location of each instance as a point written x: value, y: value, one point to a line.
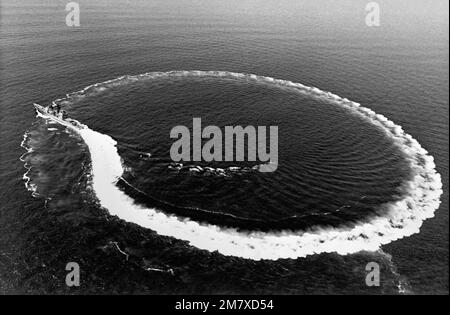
x: 404, y: 217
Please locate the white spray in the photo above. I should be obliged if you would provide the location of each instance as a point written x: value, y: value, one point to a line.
x: 404, y: 217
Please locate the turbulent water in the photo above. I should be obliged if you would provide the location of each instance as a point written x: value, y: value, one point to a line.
x: 418, y: 198
x: 351, y: 185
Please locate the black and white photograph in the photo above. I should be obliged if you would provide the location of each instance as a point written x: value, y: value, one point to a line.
x: 224, y: 155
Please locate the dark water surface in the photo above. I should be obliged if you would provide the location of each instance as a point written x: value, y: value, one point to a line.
x: 334, y: 168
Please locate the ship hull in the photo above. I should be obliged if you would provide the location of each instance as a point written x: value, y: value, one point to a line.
x: 42, y: 112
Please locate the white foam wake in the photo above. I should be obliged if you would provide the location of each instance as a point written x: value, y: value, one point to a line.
x: 216, y: 171
x: 26, y: 178
x: 403, y: 218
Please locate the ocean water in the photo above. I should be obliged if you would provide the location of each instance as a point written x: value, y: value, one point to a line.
x: 350, y: 188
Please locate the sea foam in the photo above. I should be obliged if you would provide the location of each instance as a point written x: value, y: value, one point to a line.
x: 402, y: 218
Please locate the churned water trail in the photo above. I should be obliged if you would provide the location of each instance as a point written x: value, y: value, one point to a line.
x: 420, y: 192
